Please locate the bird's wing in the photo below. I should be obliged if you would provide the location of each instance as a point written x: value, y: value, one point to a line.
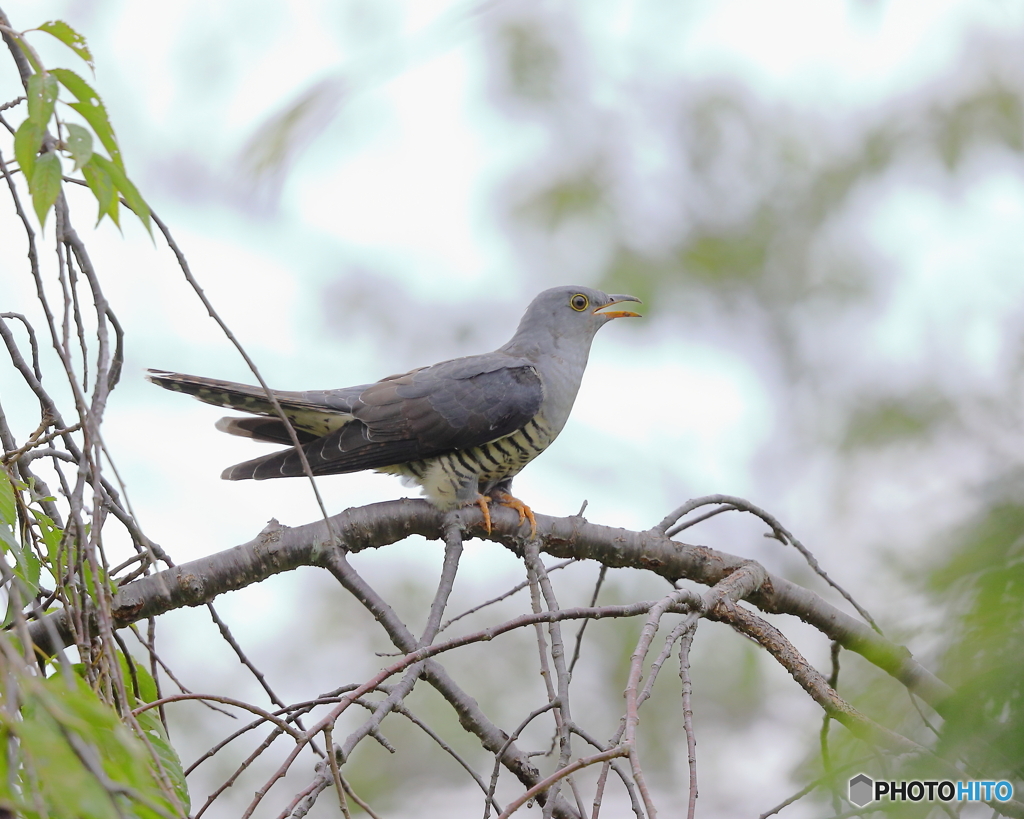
x: 457, y: 404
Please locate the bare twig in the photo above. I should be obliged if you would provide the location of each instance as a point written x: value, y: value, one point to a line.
x: 563, y: 715
x: 670, y: 527
x: 561, y: 773
x: 579, y: 633
x: 691, y: 741
x: 504, y: 595
x: 335, y: 772
x: 501, y: 751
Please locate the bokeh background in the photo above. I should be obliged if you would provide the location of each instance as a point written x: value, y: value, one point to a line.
x: 820, y: 203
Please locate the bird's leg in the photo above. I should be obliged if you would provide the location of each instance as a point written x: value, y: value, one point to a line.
x: 500, y: 496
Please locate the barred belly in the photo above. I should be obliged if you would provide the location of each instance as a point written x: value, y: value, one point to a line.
x: 456, y: 478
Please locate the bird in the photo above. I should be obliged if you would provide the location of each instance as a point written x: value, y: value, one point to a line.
x: 461, y: 429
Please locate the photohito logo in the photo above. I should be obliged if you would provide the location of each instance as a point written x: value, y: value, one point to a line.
x: 864, y: 789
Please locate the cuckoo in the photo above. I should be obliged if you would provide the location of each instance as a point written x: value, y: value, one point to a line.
x: 461, y: 429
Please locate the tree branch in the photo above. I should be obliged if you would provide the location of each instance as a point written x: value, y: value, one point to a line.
x: 280, y: 548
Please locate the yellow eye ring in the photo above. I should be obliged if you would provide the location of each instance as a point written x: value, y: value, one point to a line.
x: 579, y: 302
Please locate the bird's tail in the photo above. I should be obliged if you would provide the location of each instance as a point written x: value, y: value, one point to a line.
x: 243, y: 397
x: 219, y: 393
x: 312, y: 415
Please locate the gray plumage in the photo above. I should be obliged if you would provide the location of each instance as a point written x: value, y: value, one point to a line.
x: 460, y: 429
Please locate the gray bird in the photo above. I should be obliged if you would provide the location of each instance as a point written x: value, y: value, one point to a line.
x: 461, y: 429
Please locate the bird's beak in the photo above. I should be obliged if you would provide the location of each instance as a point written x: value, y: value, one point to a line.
x: 612, y: 314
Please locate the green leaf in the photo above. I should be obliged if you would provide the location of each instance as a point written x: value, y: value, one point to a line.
x: 45, y: 184
x: 51, y: 533
x: 150, y: 723
x: 62, y: 783
x: 79, y: 144
x: 132, y: 198
x: 8, y: 505
x: 42, y: 95
x: 71, y: 38
x: 28, y: 139
x: 59, y: 711
x: 27, y: 569
x: 170, y: 762
x: 133, y: 674
x: 90, y: 106
x: 28, y: 51
x: 102, y: 187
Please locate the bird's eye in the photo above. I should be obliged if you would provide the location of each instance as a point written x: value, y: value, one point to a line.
x: 579, y: 302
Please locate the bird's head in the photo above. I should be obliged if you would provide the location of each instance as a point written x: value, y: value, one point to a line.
x: 569, y: 314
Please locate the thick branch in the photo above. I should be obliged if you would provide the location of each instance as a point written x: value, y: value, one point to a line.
x: 280, y: 548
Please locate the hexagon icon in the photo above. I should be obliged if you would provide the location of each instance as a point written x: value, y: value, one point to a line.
x: 862, y: 789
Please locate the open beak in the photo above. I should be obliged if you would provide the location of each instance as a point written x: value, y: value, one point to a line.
x: 612, y: 314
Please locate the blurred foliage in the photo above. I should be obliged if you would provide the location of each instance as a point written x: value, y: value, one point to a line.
x: 981, y: 584
x: 532, y: 59
x: 894, y: 419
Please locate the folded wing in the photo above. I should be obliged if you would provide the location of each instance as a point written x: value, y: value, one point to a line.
x: 453, y: 405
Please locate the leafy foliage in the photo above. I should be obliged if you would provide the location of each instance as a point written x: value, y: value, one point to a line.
x: 39, y: 154
x: 69, y: 753
x: 72, y: 746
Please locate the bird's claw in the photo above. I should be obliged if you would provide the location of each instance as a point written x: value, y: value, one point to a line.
x: 525, y: 512
x: 481, y: 501
x: 504, y: 499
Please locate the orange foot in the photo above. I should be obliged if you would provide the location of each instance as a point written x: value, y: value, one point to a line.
x: 525, y: 512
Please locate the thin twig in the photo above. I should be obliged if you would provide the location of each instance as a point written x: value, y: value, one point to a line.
x: 561, y: 773
x: 332, y: 760
x: 691, y: 740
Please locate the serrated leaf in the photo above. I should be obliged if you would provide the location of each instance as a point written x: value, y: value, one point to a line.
x: 50, y: 532
x: 27, y: 50
x: 132, y: 198
x: 79, y: 143
x: 29, y: 568
x: 170, y: 762
x: 150, y: 723
x: 42, y: 95
x: 59, y: 712
x: 28, y: 139
x: 45, y: 184
x: 91, y: 107
x: 134, y: 673
x: 9, y: 540
x: 102, y: 187
x: 26, y: 570
x: 61, y: 780
x: 8, y: 505
x: 71, y: 38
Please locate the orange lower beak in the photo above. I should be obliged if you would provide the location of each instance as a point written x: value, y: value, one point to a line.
x: 613, y: 314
